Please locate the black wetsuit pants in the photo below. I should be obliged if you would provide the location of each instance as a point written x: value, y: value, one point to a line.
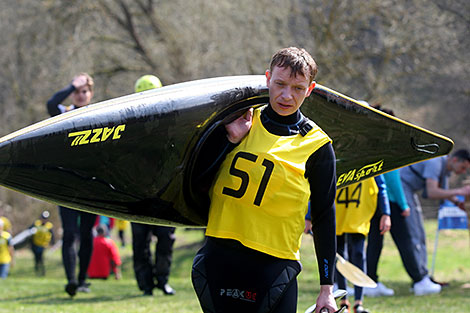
x: 77, y: 225
x: 146, y: 272
x: 229, y: 277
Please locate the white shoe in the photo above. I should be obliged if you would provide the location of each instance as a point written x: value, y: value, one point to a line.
x: 378, y: 291
x: 426, y: 286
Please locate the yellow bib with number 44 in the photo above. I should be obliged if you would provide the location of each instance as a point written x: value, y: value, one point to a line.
x: 355, y: 206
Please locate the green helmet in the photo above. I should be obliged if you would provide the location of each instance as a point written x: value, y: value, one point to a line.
x: 147, y: 82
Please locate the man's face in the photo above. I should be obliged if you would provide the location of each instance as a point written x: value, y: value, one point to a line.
x: 287, y: 92
x: 459, y: 166
x: 82, y: 96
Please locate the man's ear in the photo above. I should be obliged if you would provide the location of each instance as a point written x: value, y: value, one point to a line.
x: 310, y: 88
x: 268, y: 77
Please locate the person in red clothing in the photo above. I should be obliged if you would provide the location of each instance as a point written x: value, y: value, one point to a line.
x: 105, y: 258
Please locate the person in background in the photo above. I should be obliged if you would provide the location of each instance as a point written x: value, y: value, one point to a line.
x: 355, y: 207
x: 266, y: 165
x: 430, y: 177
x: 122, y: 226
x: 41, y: 239
x: 152, y: 275
x: 77, y: 225
x: 105, y: 258
x: 7, y: 253
x: 6, y: 221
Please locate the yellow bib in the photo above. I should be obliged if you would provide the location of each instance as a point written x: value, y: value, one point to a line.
x: 355, y: 206
x: 43, y: 235
x: 260, y: 194
x: 122, y: 224
x: 5, y: 256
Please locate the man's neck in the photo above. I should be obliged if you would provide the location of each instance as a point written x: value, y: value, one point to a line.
x: 281, y: 125
x: 282, y: 119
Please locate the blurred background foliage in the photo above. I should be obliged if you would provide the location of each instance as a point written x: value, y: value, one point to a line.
x: 409, y: 55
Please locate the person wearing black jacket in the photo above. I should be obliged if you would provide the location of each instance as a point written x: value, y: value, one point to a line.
x: 77, y: 225
x: 150, y: 275
x: 273, y: 161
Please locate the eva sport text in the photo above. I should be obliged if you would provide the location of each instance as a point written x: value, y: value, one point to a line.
x: 365, y: 171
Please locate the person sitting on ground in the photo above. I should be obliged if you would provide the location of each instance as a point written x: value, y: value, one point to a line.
x: 105, y: 258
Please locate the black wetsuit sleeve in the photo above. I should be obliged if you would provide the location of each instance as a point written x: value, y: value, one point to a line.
x: 321, y: 174
x: 216, y: 147
x: 58, y: 98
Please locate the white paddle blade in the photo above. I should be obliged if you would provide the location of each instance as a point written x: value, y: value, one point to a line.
x: 353, y: 273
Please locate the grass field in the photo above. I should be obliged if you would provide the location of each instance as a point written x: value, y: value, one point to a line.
x: 22, y: 291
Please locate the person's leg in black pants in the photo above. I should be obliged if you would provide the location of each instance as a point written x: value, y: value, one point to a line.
x: 141, y: 236
x: 39, y: 267
x: 69, y: 220
x: 374, y: 246
x: 87, y: 220
x: 288, y: 302
x: 355, y: 243
x: 163, y: 255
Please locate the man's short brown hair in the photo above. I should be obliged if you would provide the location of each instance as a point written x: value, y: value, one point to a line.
x: 298, y: 59
x: 462, y: 155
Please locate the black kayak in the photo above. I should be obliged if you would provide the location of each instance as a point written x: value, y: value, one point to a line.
x: 136, y: 157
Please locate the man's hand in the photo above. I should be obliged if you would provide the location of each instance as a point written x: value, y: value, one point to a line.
x: 464, y: 191
x: 239, y: 128
x: 325, y: 300
x: 79, y: 81
x: 385, y: 224
x: 308, y: 226
x: 406, y: 212
x: 460, y: 204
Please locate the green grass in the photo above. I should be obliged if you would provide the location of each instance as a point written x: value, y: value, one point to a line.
x: 22, y: 291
